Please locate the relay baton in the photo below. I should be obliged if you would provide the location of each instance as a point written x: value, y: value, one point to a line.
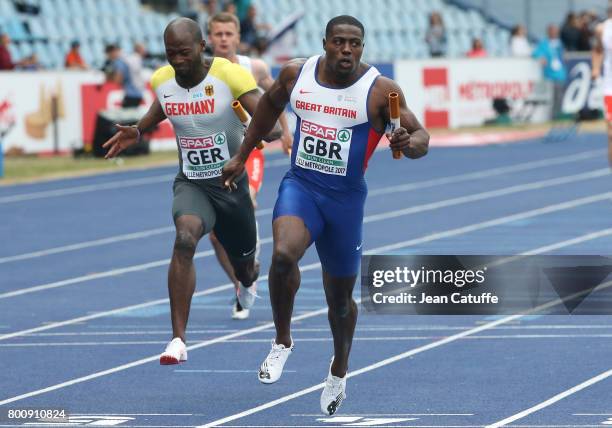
x: 394, y: 113
x: 245, y: 118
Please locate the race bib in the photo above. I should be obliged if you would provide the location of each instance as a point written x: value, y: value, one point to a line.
x: 204, y: 157
x: 323, y: 148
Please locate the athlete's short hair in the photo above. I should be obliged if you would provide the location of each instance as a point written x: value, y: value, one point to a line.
x: 223, y: 17
x: 185, y: 24
x: 343, y: 19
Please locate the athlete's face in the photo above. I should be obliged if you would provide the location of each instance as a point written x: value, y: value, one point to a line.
x: 224, y: 38
x: 343, y: 49
x: 183, y: 52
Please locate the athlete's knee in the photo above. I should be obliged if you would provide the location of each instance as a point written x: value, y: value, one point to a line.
x: 283, y: 259
x: 185, y: 243
x: 343, y: 307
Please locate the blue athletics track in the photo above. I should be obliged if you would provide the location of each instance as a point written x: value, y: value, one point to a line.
x: 84, y: 312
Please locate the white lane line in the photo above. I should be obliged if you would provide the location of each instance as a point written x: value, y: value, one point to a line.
x: 378, y: 328
x: 393, y: 424
x: 367, y: 219
x: 104, y: 241
x: 284, y: 162
x: 501, y: 220
x: 489, y: 194
x: 226, y: 371
x: 427, y: 238
x: 266, y: 326
x: 109, y: 273
x: 406, y: 426
x: 121, y: 184
x: 397, y: 358
x: 374, y: 192
x: 156, y: 357
x: 592, y: 381
x: 319, y: 415
x: 111, y: 312
x: 131, y: 414
x: 88, y: 244
x: 315, y: 339
x: 453, y: 179
x: 88, y: 188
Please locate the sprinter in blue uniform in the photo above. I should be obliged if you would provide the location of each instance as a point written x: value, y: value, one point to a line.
x: 342, y: 110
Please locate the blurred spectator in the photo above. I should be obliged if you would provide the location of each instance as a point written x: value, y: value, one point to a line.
x: 108, y: 67
x: 27, y: 7
x: 242, y: 8
x: 212, y: 7
x: 135, y: 69
x: 121, y: 75
x: 519, y: 44
x: 550, y: 53
x: 587, y: 22
x: 31, y: 63
x: 206, y: 9
x: 229, y: 7
x: 73, y: 57
x: 436, y: 35
x: 571, y: 32
x: 6, y: 61
x: 250, y: 31
x: 478, y: 50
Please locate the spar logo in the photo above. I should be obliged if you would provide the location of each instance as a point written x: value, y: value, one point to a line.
x: 319, y: 131
x: 219, y: 139
x: 200, y: 142
x: 344, y: 136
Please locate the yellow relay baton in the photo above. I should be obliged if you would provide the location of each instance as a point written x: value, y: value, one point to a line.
x: 394, y: 113
x: 245, y: 118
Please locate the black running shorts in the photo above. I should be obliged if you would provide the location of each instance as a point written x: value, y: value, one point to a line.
x: 229, y: 214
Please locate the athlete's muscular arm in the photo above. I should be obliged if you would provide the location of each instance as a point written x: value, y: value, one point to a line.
x: 127, y: 136
x: 411, y: 138
x: 249, y: 102
x: 270, y: 106
x: 261, y: 71
x: 597, y: 53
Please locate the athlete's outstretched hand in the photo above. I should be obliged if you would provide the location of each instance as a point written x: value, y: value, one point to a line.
x: 231, y: 171
x: 399, y: 140
x: 125, y: 137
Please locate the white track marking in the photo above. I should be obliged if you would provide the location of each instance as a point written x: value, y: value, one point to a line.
x: 283, y: 162
x: 428, y: 238
x: 313, y: 339
x: 166, y: 178
x: 489, y: 194
x: 552, y: 400
x: 374, y: 192
x: 367, y: 219
x: 399, y: 357
x: 266, y: 326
